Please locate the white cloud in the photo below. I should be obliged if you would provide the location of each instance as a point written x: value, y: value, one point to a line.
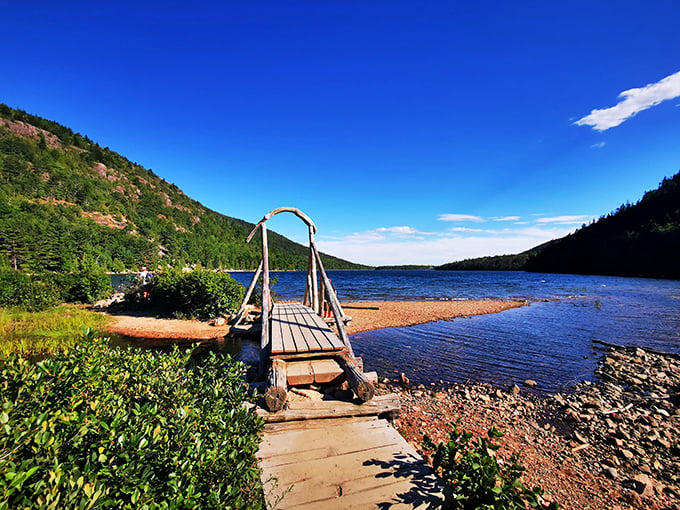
x: 465, y: 229
x: 598, y: 145
x: 506, y: 218
x: 398, y: 230
x: 460, y: 217
x: 566, y: 220
x: 633, y: 101
x: 372, y: 249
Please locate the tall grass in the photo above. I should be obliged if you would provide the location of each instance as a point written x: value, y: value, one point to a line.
x: 52, y: 330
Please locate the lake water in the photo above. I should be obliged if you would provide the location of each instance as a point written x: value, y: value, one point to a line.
x: 553, y: 340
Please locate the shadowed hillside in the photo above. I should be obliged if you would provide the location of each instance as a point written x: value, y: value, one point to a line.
x: 636, y: 240
x: 64, y: 199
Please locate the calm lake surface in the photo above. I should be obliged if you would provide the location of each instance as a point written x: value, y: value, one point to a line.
x: 550, y: 341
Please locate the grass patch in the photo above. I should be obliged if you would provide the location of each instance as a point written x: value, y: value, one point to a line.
x: 52, y: 330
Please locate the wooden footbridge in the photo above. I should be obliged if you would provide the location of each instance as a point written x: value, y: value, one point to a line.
x: 335, y: 449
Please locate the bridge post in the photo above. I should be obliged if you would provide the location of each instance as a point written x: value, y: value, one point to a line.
x: 264, y: 339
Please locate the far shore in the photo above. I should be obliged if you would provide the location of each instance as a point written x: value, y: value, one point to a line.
x: 366, y: 315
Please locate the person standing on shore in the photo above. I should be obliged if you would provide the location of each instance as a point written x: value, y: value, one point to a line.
x: 145, y: 276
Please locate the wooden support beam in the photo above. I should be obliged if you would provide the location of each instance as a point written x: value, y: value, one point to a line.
x: 314, y: 289
x: 307, y: 301
x: 276, y: 394
x: 361, y: 386
x: 249, y: 292
x: 265, y: 344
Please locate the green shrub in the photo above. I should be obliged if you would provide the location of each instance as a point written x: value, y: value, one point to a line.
x: 109, y: 428
x: 86, y: 285
x: 200, y: 294
x: 478, y: 480
x: 27, y: 292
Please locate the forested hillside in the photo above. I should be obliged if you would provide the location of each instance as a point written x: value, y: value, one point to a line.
x: 635, y: 240
x: 65, y: 200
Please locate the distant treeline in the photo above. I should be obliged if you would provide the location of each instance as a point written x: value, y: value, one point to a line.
x: 408, y: 267
x: 635, y: 240
x: 65, y: 201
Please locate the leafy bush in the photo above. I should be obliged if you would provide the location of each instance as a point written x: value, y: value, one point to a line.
x: 38, y: 292
x: 86, y: 285
x: 476, y: 477
x: 26, y: 292
x: 109, y: 428
x: 201, y: 294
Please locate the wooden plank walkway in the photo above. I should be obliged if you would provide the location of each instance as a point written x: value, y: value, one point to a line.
x: 296, y: 329
x: 344, y: 463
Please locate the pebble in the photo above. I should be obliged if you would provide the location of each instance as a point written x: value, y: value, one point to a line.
x: 610, y: 472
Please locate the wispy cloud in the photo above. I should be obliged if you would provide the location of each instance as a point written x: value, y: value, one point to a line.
x: 598, y: 145
x: 440, y: 249
x: 398, y: 230
x: 465, y: 229
x: 408, y: 245
x: 460, y: 217
x: 566, y: 220
x: 506, y: 218
x: 633, y: 101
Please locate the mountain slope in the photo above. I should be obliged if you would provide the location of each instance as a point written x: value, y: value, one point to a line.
x: 65, y: 199
x: 635, y: 240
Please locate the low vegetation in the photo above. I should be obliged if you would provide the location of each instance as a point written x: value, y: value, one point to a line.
x: 52, y: 330
x: 39, y: 291
x: 96, y: 427
x: 199, y: 294
x: 477, y: 478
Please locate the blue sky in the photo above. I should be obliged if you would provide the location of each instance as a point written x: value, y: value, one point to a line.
x: 411, y: 132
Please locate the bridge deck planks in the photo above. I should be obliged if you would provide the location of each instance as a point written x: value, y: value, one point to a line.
x: 296, y: 329
x: 364, y: 463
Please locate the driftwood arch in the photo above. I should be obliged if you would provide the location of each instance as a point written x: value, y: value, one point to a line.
x: 319, y: 291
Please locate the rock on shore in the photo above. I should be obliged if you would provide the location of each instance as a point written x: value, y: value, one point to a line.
x: 610, y: 445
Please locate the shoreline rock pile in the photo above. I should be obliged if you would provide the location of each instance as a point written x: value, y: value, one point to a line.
x: 632, y: 419
x: 613, y: 444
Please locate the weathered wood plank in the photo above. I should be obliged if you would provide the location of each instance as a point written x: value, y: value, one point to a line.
x: 275, y: 427
x: 305, y: 340
x: 277, y: 331
x: 326, y: 371
x: 293, y: 446
x: 361, y: 463
x: 300, y: 372
x: 328, y: 341
x: 332, y: 409
x: 314, y: 336
x: 287, y: 330
x: 297, y: 329
x: 319, y: 326
x: 320, y: 371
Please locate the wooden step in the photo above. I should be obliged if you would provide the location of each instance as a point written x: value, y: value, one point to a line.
x: 319, y: 371
x: 309, y: 410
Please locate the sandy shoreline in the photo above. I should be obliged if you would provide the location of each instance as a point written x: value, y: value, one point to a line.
x: 366, y: 315
x: 370, y: 315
